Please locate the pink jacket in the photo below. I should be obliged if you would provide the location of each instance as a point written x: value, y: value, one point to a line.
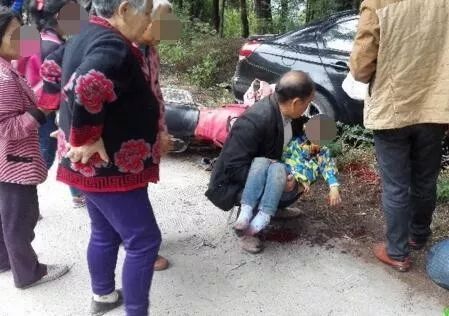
x: 29, y: 67
x: 20, y: 157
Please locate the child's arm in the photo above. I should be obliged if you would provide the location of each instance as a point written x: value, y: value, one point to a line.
x: 328, y: 169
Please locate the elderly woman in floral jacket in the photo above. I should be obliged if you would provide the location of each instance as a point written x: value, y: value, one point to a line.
x: 109, y: 121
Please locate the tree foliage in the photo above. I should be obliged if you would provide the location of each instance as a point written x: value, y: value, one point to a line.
x: 245, y: 17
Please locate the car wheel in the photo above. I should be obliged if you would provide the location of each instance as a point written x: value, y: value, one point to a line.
x: 320, y: 105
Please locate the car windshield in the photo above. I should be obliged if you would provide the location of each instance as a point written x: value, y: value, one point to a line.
x: 341, y: 35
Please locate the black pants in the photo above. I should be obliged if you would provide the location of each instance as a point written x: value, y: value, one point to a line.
x: 19, y: 211
x: 409, y: 159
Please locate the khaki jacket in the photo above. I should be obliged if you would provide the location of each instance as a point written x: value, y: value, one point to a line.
x: 402, y: 50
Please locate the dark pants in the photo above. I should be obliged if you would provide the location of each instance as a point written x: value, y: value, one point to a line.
x: 19, y: 210
x: 409, y: 160
x: 127, y: 217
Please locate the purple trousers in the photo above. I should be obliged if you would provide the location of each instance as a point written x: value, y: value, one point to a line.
x: 123, y: 217
x: 19, y: 210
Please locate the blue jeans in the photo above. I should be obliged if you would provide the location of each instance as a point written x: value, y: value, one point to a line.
x: 409, y: 160
x: 265, y: 185
x: 128, y: 217
x: 48, y: 145
x: 438, y: 264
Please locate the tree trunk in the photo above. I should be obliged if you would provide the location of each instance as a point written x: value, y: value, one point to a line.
x: 263, y: 15
x: 222, y: 12
x: 284, y: 15
x: 244, y: 18
x: 216, y: 14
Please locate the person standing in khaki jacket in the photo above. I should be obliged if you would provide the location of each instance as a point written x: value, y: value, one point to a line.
x: 401, y: 49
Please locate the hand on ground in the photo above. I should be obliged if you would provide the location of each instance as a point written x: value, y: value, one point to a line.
x: 334, y: 197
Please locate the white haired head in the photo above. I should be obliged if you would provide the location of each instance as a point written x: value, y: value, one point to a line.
x: 158, y: 4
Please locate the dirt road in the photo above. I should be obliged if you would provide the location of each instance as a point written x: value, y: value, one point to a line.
x: 210, y: 274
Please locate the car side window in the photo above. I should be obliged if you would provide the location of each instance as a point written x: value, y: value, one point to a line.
x: 299, y: 39
x: 341, y: 35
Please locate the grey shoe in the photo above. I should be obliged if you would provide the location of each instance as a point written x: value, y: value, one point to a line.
x: 54, y: 272
x: 98, y: 308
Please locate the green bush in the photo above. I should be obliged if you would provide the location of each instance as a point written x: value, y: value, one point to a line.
x: 355, y: 135
x: 204, y: 73
x: 201, y: 56
x: 443, y: 187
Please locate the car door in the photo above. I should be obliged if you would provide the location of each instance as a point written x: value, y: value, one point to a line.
x: 335, y: 41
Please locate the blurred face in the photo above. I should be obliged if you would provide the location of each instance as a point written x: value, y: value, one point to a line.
x: 298, y: 106
x: 165, y: 26
x: 10, y: 47
x: 131, y: 22
x: 321, y: 130
x: 72, y: 18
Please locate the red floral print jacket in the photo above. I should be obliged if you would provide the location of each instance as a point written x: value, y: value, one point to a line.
x: 102, y: 92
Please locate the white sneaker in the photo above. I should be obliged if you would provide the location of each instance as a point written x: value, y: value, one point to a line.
x: 54, y: 272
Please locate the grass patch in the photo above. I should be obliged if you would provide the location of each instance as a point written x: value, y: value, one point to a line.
x: 443, y: 187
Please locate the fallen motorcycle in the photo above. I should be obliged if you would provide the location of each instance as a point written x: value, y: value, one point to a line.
x: 193, y: 125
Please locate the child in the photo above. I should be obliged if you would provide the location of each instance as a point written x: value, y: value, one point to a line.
x: 22, y: 167
x: 305, y: 161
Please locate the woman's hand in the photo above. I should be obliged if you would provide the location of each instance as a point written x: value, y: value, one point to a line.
x: 54, y: 134
x: 84, y: 153
x: 334, y: 196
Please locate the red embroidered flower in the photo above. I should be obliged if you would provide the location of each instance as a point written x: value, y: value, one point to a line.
x: 94, y: 89
x: 97, y: 162
x: 86, y: 170
x: 132, y: 155
x: 87, y: 134
x: 50, y: 71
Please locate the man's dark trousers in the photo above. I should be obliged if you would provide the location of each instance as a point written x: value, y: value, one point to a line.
x: 409, y: 160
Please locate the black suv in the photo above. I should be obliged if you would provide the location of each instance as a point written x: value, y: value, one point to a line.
x: 322, y: 49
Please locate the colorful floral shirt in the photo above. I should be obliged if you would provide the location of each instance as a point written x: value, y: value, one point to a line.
x: 306, y: 161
